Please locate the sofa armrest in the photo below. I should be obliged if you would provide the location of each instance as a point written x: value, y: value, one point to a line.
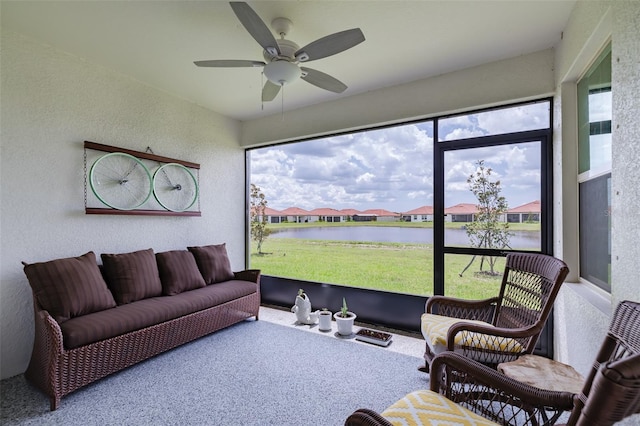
x: 49, y: 331
x: 252, y: 275
x: 48, y: 349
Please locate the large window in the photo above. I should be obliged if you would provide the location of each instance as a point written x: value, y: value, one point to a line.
x: 359, y: 209
x: 594, y: 179
x: 354, y: 209
x: 498, y: 180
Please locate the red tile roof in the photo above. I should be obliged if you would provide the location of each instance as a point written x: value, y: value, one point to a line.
x: 325, y: 211
x: 532, y: 207
x: 421, y: 210
x: 462, y: 208
x: 349, y: 212
x: 271, y: 212
x: 294, y: 211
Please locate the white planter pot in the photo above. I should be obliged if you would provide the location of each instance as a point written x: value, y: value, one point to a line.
x: 345, y: 325
x: 325, y: 321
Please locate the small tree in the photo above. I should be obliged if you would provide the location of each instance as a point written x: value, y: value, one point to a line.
x: 488, y: 230
x: 258, y: 206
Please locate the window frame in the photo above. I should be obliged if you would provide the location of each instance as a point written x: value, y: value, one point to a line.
x: 544, y: 136
x: 591, y: 174
x: 401, y: 310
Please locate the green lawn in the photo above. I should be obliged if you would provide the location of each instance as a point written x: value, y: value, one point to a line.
x: 395, y: 267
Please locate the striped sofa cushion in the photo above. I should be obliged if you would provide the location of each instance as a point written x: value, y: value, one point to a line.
x: 178, y: 272
x: 132, y: 276
x: 213, y: 263
x: 427, y: 408
x: 69, y: 287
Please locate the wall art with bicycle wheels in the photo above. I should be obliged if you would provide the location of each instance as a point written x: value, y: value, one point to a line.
x: 126, y: 182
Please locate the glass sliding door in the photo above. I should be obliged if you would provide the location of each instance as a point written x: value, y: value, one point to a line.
x: 492, y: 195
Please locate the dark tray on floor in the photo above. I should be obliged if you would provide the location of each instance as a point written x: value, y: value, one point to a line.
x: 379, y: 338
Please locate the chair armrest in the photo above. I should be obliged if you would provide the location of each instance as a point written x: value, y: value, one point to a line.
x: 519, y: 340
x: 481, y: 310
x: 472, y: 384
x: 513, y: 333
x: 366, y: 417
x: 252, y: 275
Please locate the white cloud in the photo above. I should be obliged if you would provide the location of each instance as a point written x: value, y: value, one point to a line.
x: 392, y: 168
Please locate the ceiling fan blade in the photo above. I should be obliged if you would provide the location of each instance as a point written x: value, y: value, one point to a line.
x: 330, y: 45
x: 229, y: 63
x: 322, y: 80
x: 270, y: 91
x: 256, y: 26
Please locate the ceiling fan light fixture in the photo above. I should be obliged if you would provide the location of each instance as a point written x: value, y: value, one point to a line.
x: 282, y: 72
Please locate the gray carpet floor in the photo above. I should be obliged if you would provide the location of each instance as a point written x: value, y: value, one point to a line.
x: 253, y: 373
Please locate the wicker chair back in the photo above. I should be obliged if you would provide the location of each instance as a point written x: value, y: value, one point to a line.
x: 612, y: 389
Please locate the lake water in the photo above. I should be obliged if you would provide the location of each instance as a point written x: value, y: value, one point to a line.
x: 453, y: 237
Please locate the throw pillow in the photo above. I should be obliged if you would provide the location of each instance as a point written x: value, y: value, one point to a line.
x: 213, y: 263
x: 69, y: 287
x: 178, y: 272
x: 132, y: 276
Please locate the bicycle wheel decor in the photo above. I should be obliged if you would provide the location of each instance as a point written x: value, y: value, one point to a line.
x: 120, y: 181
x: 174, y: 187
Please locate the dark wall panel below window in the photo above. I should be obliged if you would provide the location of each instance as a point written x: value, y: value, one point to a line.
x: 398, y: 311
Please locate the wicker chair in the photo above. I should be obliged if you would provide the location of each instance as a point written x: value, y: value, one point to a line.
x: 501, y: 328
x: 611, y: 391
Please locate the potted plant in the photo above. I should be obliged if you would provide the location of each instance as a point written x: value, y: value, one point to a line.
x: 344, y: 318
x: 325, y: 320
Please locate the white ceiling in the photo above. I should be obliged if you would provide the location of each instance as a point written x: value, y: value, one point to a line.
x: 157, y: 41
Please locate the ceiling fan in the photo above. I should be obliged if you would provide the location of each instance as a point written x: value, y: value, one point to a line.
x: 283, y: 56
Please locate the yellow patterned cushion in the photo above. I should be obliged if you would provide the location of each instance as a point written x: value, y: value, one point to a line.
x: 428, y: 408
x: 435, y: 328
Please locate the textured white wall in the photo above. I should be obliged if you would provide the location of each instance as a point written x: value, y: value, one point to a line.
x: 52, y: 102
x: 625, y: 185
x: 582, y: 314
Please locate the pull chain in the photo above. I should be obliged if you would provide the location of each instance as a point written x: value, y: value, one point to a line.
x: 282, y: 104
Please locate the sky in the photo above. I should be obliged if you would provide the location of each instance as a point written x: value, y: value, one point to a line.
x: 392, y: 168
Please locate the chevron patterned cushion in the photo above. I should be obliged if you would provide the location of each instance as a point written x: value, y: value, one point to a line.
x: 429, y: 408
x: 435, y: 327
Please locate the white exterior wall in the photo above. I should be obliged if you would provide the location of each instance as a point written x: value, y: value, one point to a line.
x: 51, y: 103
x: 421, y: 217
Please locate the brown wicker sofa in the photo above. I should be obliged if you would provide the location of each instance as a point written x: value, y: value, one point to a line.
x: 93, y: 320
